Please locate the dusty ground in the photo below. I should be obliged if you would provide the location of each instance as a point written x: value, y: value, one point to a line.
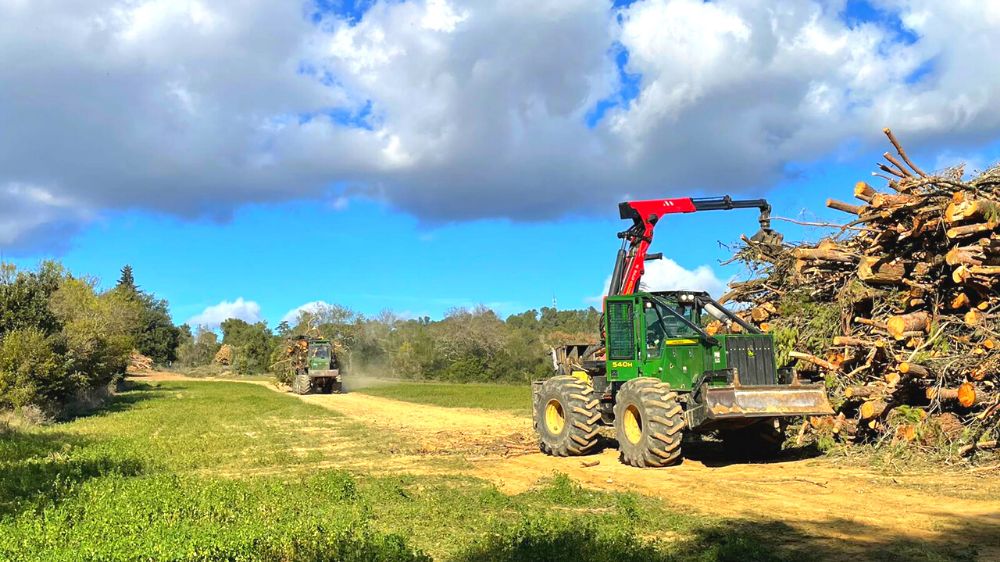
x: 823, y: 497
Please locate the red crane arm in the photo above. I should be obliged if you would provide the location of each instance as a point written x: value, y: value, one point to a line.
x: 630, y: 264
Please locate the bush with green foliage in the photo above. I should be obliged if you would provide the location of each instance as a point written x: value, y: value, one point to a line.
x: 252, y: 345
x: 62, y: 339
x: 198, y: 349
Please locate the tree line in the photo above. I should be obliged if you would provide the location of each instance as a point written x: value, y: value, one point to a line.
x: 63, y: 340
x: 467, y: 345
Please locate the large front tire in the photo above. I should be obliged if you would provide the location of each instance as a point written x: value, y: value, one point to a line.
x: 649, y: 423
x: 566, y: 417
x: 302, y: 384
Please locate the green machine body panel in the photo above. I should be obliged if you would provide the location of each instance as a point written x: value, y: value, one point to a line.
x: 656, y: 335
x: 320, y: 356
x: 733, y: 377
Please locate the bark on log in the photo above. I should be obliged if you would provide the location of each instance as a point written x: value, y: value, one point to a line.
x: 902, y: 154
x: 864, y: 192
x: 898, y: 326
x: 846, y: 207
x: 884, y: 200
x: 870, y: 322
x: 873, y: 408
x: 809, y: 358
x: 913, y: 370
x: 963, y: 256
x: 899, y: 166
x: 871, y: 270
x: 966, y: 449
x: 852, y: 341
x: 965, y: 394
x: 867, y: 391
x: 969, y: 229
x: 823, y: 254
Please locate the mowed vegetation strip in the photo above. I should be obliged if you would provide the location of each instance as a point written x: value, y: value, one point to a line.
x: 457, y: 395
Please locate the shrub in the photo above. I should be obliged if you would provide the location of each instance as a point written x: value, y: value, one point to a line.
x: 30, y: 372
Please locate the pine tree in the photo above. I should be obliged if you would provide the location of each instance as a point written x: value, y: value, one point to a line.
x: 127, y: 281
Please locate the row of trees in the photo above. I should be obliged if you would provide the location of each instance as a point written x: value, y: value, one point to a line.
x: 62, y: 340
x: 465, y: 346
x: 61, y: 337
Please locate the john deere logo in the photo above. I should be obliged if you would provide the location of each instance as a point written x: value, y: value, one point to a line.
x: 750, y: 353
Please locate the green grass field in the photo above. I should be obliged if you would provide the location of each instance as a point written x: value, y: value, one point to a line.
x: 224, y: 471
x: 488, y: 396
x: 208, y: 471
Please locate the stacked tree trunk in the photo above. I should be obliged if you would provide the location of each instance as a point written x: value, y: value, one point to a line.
x: 899, y: 311
x: 138, y: 363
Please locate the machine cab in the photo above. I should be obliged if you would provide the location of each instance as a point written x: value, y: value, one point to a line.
x: 319, y: 356
x: 660, y: 335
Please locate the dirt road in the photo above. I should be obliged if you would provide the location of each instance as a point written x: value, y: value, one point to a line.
x: 822, y: 497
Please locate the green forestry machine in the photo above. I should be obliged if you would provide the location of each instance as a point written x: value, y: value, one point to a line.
x: 659, y: 374
x: 314, y: 364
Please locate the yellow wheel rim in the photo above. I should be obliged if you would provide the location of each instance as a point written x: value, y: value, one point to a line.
x: 632, y: 424
x: 555, y: 419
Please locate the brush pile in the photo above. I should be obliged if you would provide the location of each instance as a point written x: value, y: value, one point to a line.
x: 224, y: 356
x: 899, y: 311
x: 138, y: 363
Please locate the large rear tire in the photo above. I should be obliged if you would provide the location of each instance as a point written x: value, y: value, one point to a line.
x: 566, y: 417
x: 649, y: 423
x: 302, y: 384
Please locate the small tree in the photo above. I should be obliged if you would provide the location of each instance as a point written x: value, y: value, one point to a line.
x: 252, y: 345
x: 156, y: 336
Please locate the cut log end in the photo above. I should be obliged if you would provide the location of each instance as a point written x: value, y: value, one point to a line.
x: 899, y: 326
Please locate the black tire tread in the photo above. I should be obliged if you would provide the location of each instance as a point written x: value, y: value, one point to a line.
x: 582, y: 427
x: 662, y: 423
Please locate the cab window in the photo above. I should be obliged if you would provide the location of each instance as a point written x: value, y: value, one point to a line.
x: 662, y: 325
x: 321, y: 352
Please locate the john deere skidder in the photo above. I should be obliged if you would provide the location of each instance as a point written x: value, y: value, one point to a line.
x: 658, y: 374
x: 314, y: 364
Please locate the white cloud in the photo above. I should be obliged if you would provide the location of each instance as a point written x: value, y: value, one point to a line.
x: 667, y: 275
x: 461, y: 110
x: 292, y: 315
x: 215, y: 315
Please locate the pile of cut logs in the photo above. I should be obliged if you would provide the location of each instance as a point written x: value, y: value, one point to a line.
x: 224, y: 356
x: 899, y: 311
x: 138, y: 363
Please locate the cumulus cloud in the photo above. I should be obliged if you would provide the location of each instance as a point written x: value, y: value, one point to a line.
x: 667, y: 275
x: 215, y: 315
x: 312, y: 307
x: 461, y: 110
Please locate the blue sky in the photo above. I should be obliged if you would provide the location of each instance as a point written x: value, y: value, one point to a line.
x: 371, y: 258
x: 418, y: 156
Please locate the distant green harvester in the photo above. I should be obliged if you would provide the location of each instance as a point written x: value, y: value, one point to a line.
x: 316, y: 366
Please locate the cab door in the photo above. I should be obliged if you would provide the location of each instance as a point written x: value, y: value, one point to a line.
x: 622, y: 338
x: 673, y: 352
